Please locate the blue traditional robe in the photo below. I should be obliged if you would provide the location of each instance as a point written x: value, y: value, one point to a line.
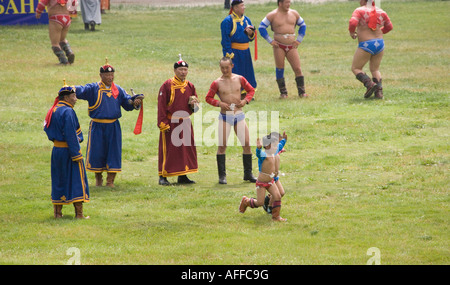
x: 104, y: 149
x: 235, y: 41
x: 69, y: 181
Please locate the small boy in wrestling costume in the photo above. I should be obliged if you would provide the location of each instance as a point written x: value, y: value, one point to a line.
x: 267, y: 173
x: 268, y: 201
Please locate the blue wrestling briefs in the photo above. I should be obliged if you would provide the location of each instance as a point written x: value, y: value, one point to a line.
x: 373, y: 47
x: 232, y: 119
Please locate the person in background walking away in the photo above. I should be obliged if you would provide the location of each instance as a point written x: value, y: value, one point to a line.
x: 58, y: 26
x: 369, y: 23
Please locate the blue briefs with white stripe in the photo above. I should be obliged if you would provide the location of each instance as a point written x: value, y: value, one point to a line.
x: 373, y: 47
x: 232, y: 119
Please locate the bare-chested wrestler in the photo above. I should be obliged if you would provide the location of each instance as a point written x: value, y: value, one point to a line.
x: 58, y: 27
x: 228, y: 88
x: 283, y: 21
x: 372, y: 23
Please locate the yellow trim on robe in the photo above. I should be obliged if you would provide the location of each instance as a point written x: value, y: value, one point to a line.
x: 236, y: 19
x: 163, y: 135
x: 99, y: 97
x: 176, y: 84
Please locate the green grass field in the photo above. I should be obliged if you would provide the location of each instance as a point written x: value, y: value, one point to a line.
x: 359, y: 173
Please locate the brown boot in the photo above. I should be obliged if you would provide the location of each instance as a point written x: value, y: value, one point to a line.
x: 79, y: 210
x: 98, y: 179
x: 246, y: 202
x: 379, y: 91
x: 57, y: 211
x: 368, y: 83
x: 276, y: 212
x: 110, y: 179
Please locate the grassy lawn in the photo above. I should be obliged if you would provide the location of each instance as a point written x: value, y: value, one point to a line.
x: 358, y: 173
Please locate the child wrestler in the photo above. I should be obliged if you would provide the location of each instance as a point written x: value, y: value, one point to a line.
x: 265, y: 181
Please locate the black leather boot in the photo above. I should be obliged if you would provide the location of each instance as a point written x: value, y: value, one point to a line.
x: 282, y: 87
x: 300, y: 81
x: 163, y: 181
x: 221, y: 168
x: 247, y: 161
x: 183, y: 179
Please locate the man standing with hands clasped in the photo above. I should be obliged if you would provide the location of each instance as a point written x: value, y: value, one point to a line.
x: 177, y: 100
x: 228, y: 87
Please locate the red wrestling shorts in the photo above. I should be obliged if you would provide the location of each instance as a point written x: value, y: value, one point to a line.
x: 264, y: 184
x: 286, y: 48
x: 63, y: 20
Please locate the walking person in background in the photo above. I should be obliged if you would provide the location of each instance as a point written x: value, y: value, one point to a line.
x: 58, y: 27
x: 368, y: 23
x: 91, y: 11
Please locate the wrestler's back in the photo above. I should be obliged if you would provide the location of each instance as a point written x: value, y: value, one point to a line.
x: 364, y: 32
x: 56, y: 9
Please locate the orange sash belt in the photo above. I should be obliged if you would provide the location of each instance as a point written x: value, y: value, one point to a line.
x: 60, y: 144
x: 240, y: 46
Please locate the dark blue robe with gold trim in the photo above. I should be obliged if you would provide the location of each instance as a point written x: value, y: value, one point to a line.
x: 69, y: 181
x: 232, y: 29
x: 104, y: 149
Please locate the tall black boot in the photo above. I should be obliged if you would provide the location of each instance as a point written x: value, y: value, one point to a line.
x: 368, y: 83
x: 379, y: 90
x: 60, y: 55
x: 69, y: 53
x: 300, y: 80
x: 221, y: 168
x: 282, y: 87
x: 247, y: 161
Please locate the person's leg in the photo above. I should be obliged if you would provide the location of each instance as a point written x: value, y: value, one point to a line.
x: 374, y: 65
x: 279, y: 56
x: 294, y: 60
x: 242, y: 132
x: 360, y: 59
x: 54, y: 31
x: 65, y: 46
x: 276, y: 206
x: 224, y: 132
x: 252, y: 202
